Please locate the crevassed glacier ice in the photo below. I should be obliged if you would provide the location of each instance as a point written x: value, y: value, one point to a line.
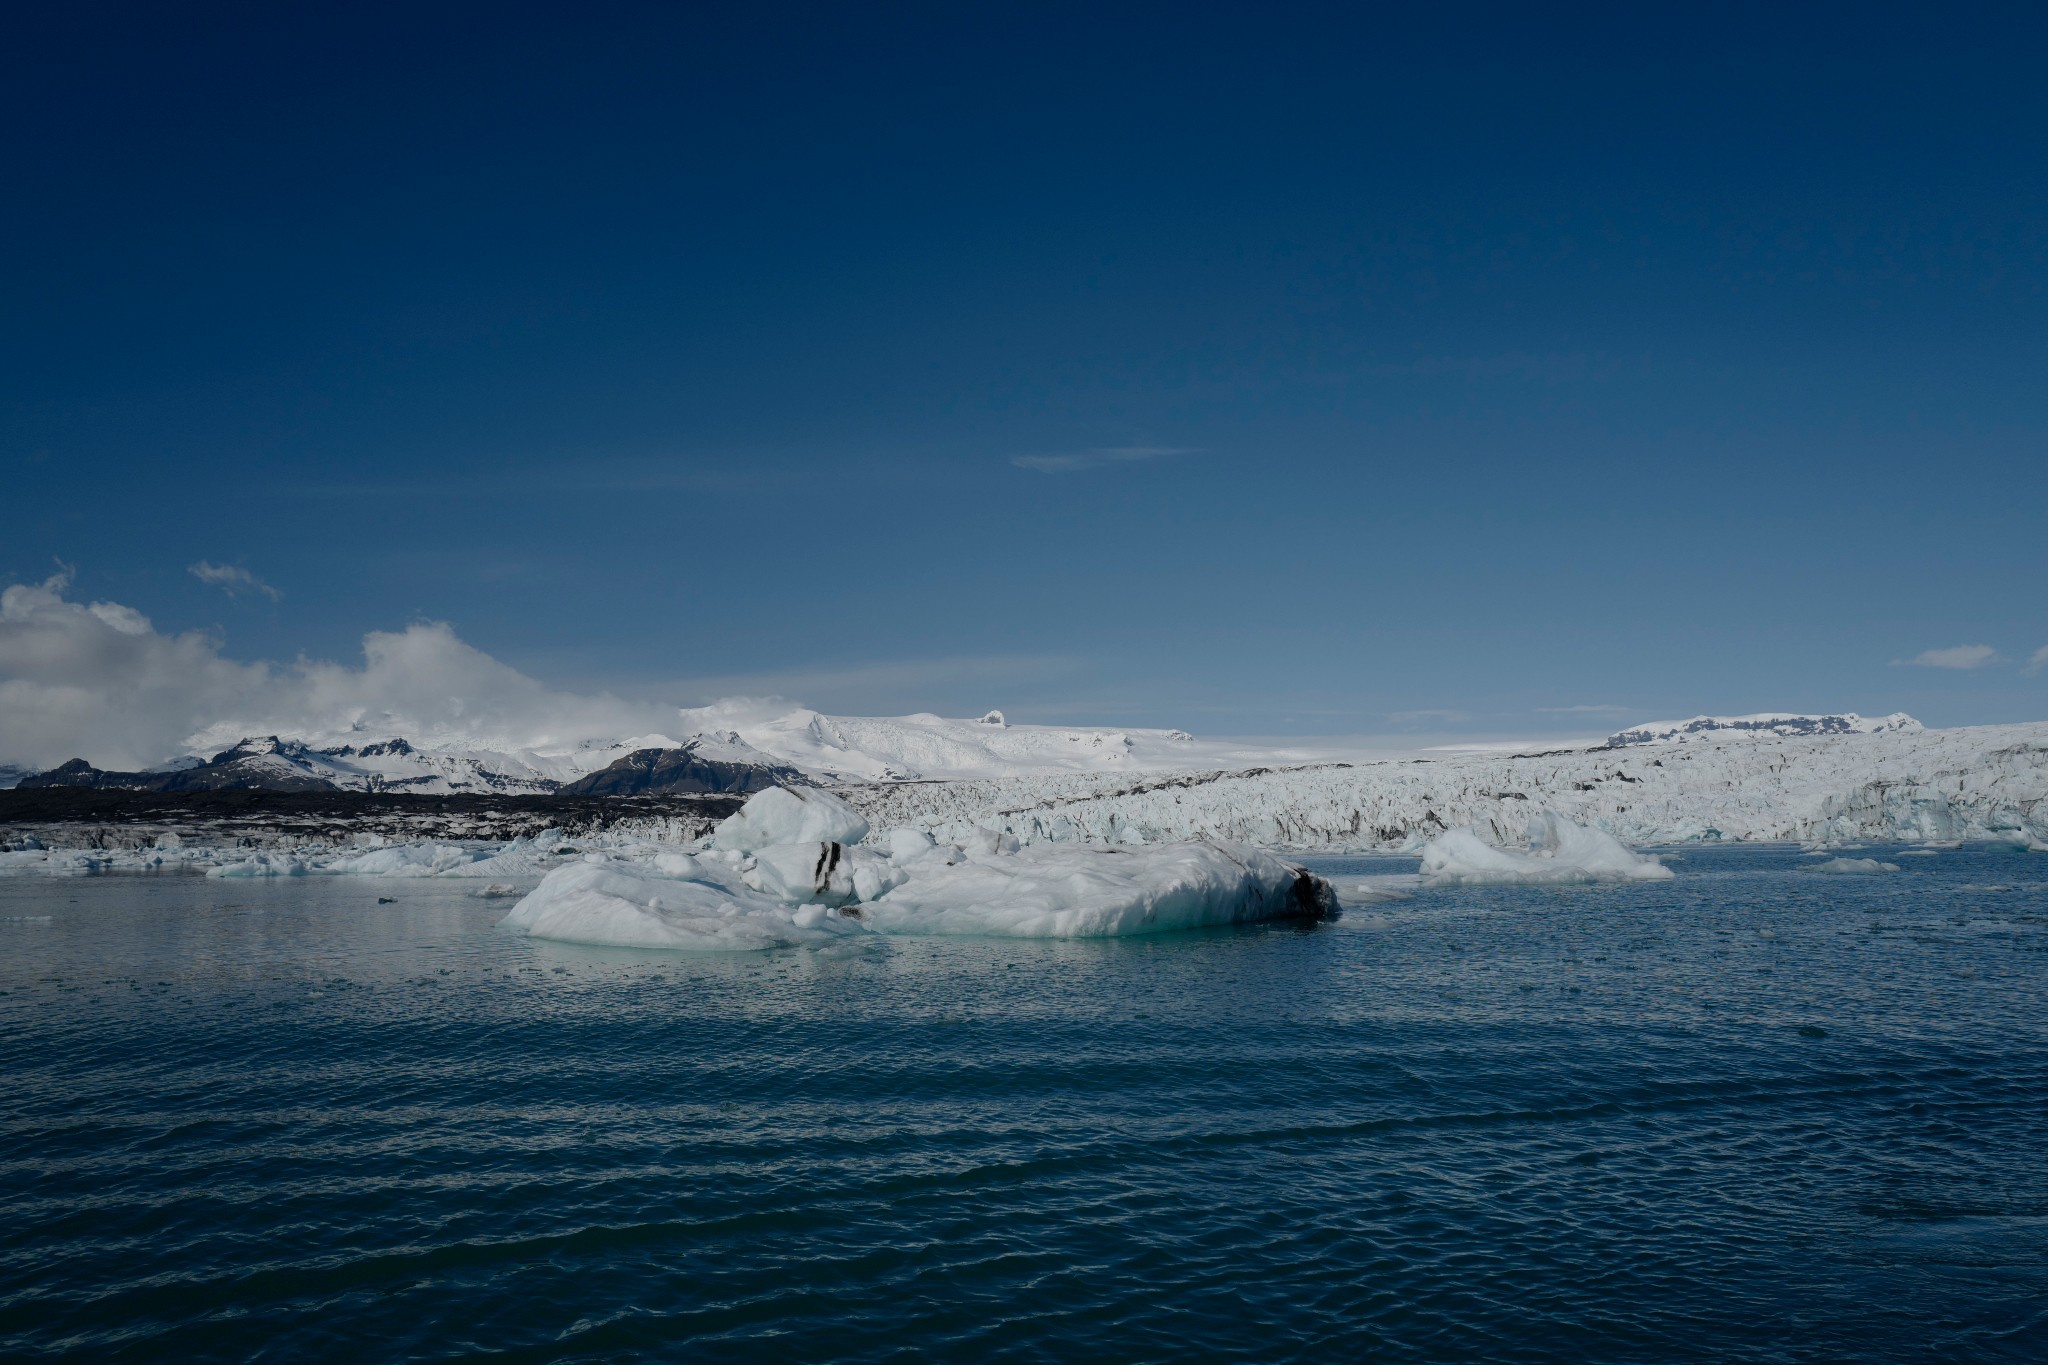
x: 1975, y: 783
x: 1559, y: 851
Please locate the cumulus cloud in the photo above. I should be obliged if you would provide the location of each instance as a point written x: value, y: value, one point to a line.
x: 98, y: 681
x: 2039, y: 661
x: 1092, y: 459
x: 1959, y: 656
x: 232, y: 580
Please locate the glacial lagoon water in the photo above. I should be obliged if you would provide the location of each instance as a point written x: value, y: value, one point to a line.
x: 1754, y: 1113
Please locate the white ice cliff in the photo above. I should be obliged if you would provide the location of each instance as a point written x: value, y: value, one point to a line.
x: 1984, y: 782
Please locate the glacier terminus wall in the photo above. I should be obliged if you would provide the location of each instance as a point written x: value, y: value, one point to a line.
x: 1983, y: 782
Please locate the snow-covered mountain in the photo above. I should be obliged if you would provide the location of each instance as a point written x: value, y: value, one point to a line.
x: 274, y: 764
x: 708, y: 763
x: 926, y: 747
x: 1983, y: 782
x: 774, y: 738
x: 779, y: 741
x: 1774, y: 776
x: 1781, y: 724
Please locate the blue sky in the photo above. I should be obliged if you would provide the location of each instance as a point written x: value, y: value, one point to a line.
x: 1300, y: 369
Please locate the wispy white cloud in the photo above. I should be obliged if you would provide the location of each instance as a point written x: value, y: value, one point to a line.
x: 2039, y: 661
x: 1093, y: 459
x: 1957, y: 656
x: 231, y: 579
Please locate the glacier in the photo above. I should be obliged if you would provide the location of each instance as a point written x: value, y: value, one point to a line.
x: 986, y: 788
x: 1898, y: 784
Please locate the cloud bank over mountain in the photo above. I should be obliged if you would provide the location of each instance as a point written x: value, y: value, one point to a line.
x: 98, y: 680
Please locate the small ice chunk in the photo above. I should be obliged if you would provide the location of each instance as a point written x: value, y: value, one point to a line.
x: 790, y: 815
x: 1559, y: 851
x: 1854, y: 867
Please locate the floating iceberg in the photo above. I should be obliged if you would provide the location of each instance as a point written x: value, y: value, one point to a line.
x: 405, y: 860
x: 1056, y: 891
x: 790, y: 815
x: 758, y: 887
x: 51, y: 863
x: 684, y: 905
x: 1854, y: 867
x: 1559, y: 851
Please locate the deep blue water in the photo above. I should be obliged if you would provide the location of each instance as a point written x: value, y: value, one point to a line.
x: 1751, y: 1114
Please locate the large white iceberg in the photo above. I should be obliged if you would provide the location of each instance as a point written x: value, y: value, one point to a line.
x: 1559, y: 851
x: 676, y: 902
x: 1085, y: 891
x: 785, y: 815
x: 785, y: 892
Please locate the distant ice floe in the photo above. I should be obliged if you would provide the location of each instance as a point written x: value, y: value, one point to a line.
x: 522, y: 858
x: 1559, y: 851
x: 1853, y: 867
x: 755, y: 887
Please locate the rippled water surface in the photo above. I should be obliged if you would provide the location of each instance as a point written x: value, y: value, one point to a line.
x: 1754, y: 1113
